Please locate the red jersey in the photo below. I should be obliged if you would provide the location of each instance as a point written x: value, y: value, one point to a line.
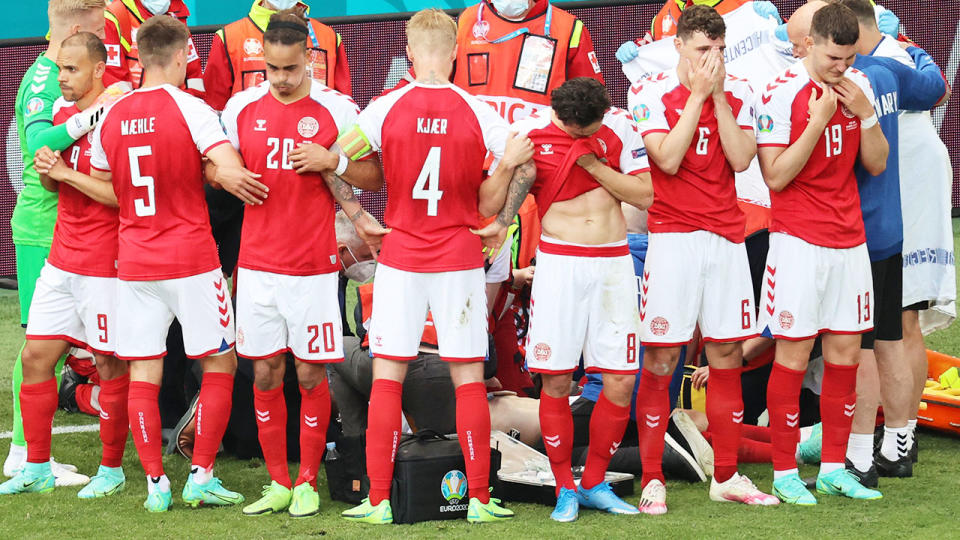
x: 821, y: 205
x: 433, y: 139
x: 85, y: 236
x: 555, y: 153
x: 152, y: 141
x: 124, y: 18
x: 265, y: 130
x: 702, y: 195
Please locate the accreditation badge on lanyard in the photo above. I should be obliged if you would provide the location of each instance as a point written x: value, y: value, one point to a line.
x: 536, y: 54
x: 318, y: 58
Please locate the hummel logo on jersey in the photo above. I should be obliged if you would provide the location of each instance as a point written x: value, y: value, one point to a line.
x: 793, y: 419
x: 261, y: 125
x: 104, y: 415
x: 849, y: 408
x: 553, y: 441
x: 738, y: 417
x: 679, y: 111
x: 613, y: 447
x: 546, y: 149
x: 653, y: 421
x: 263, y: 416
x: 310, y: 421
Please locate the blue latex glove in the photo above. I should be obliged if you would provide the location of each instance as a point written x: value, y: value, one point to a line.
x: 781, y: 32
x: 627, y: 52
x: 767, y: 9
x: 888, y: 22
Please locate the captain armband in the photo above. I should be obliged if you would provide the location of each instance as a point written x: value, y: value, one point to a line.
x: 354, y: 143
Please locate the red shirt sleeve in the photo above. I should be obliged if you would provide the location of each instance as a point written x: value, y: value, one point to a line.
x: 342, y: 73
x: 582, y: 60
x: 218, y: 77
x: 116, y: 69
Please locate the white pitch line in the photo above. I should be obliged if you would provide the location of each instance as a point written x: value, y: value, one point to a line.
x: 951, y: 74
x: 59, y: 430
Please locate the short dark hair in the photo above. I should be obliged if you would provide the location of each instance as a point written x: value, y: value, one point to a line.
x: 700, y: 18
x: 837, y: 23
x: 159, y: 38
x: 863, y: 10
x: 288, y: 27
x: 96, y: 51
x: 581, y: 102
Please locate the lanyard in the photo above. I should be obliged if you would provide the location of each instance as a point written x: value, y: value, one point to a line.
x: 313, y: 37
x: 520, y: 32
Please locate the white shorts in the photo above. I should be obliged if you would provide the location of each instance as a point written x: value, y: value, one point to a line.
x: 277, y: 313
x: 809, y: 290
x: 201, y: 303
x: 695, y: 277
x: 584, y: 300
x: 457, y: 300
x: 75, y: 308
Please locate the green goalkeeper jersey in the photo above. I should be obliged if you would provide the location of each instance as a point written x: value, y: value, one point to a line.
x: 36, y: 210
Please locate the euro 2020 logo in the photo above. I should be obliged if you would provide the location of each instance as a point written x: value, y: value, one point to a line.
x: 765, y: 123
x: 453, y: 487
x: 641, y: 113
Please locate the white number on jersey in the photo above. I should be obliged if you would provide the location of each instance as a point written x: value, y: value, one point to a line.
x: 428, y: 183
x: 702, y: 141
x: 144, y: 207
x: 833, y: 140
x: 275, y: 145
x: 75, y: 156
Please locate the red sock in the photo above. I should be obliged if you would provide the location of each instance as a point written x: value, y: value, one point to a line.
x: 314, y: 420
x: 725, y: 415
x: 113, y: 419
x: 838, y: 398
x: 213, y: 413
x: 653, y: 411
x: 607, y: 424
x: 750, y: 450
x: 783, y: 403
x: 755, y: 433
x: 271, y: 410
x: 144, y: 415
x: 473, y: 430
x: 556, y: 425
x: 84, y: 397
x: 383, y: 435
x: 38, y: 403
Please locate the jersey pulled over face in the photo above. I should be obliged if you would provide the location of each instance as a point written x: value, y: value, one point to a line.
x: 433, y: 141
x: 292, y: 232
x: 702, y: 194
x: 555, y: 152
x: 821, y: 205
x: 152, y: 141
x: 85, y: 236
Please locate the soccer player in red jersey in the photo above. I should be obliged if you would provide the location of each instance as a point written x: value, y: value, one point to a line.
x: 75, y: 300
x: 150, y: 145
x: 589, y: 157
x: 814, y: 121
x: 433, y: 137
x: 288, y: 283
x: 697, y: 126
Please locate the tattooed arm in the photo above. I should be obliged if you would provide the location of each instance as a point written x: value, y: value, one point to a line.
x: 493, y: 234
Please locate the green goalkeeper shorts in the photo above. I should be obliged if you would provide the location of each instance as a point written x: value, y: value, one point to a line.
x: 30, y: 260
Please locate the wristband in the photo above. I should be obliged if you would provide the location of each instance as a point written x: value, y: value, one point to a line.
x: 869, y: 122
x: 342, y: 165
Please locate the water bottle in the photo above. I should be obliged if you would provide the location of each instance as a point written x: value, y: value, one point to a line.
x: 332, y: 454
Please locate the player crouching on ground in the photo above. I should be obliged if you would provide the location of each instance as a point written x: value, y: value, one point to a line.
x: 75, y: 299
x: 287, y: 284
x: 588, y: 158
x: 149, y: 145
x: 815, y: 120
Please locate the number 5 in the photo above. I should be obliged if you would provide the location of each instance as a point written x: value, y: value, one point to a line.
x: 430, y: 179
x: 144, y: 207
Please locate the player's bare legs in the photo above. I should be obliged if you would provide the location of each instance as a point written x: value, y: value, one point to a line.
x: 915, y: 355
x: 860, y: 444
x: 271, y: 410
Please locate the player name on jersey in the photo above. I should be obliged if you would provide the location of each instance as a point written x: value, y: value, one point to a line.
x: 432, y: 126
x: 138, y: 126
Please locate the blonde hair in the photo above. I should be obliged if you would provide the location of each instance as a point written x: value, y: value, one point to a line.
x: 432, y: 30
x: 59, y: 9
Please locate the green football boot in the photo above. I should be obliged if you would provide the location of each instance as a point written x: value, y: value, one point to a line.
x: 274, y: 498
x: 365, y: 512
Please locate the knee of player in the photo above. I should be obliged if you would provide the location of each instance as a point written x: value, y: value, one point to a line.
x: 35, y: 358
x: 618, y: 387
x: 110, y: 367
x: 557, y: 385
x: 311, y: 375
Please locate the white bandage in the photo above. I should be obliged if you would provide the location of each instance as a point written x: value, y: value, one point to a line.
x: 869, y: 122
x: 342, y: 166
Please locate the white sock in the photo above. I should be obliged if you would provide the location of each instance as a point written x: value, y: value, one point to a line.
x: 780, y: 474
x: 860, y: 450
x: 896, y: 442
x: 912, y: 426
x: 95, y: 398
x: 827, y: 468
x: 201, y: 475
x: 162, y: 483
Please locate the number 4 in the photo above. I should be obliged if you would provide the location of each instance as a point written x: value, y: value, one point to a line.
x: 428, y: 183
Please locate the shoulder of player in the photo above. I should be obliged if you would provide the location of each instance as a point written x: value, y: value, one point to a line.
x: 860, y: 78
x: 785, y: 85
x: 480, y: 108
x: 532, y: 122
x: 329, y: 97
x: 619, y: 121
x: 61, y: 105
x: 387, y: 100
x: 244, y: 98
x: 737, y: 85
x: 655, y: 83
